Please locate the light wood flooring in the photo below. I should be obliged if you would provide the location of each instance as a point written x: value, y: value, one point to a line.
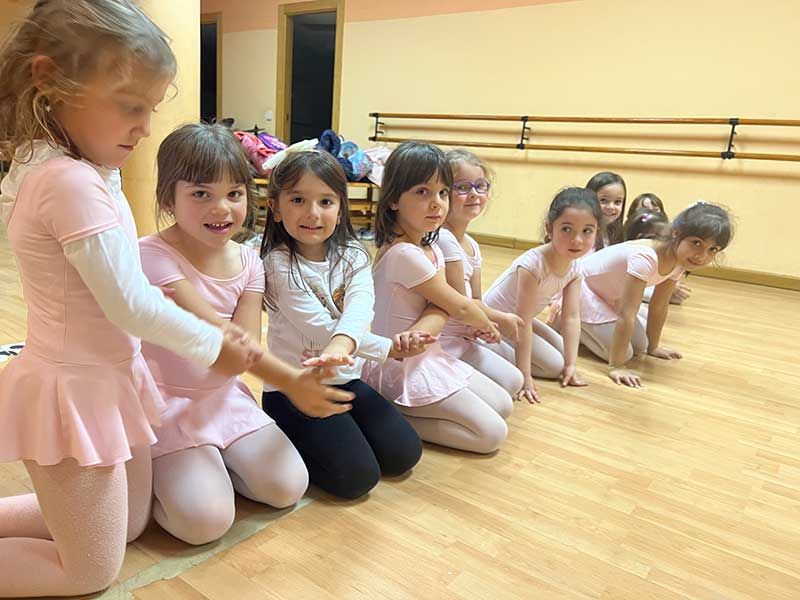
x: 688, y: 488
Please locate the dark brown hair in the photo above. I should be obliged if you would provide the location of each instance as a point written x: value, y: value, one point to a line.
x: 706, y: 221
x: 613, y: 230
x: 83, y: 39
x: 410, y: 164
x: 647, y: 224
x: 572, y: 197
x: 200, y: 153
x: 636, y: 205
x: 288, y: 172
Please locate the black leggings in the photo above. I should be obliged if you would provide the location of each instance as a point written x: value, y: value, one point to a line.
x: 346, y: 454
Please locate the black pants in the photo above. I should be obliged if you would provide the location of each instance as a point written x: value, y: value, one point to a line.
x: 346, y: 454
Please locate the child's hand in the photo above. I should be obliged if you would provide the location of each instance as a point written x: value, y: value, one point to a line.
x: 570, y: 377
x: 314, y: 399
x: 235, y: 332
x: 664, y: 353
x: 680, y: 293
x: 491, y: 335
x: 408, y: 344
x: 510, y: 325
x: 624, y: 377
x: 529, y: 392
x: 327, y: 359
x: 238, y: 352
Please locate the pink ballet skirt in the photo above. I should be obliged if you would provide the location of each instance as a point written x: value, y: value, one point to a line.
x: 434, y: 374
x: 456, y: 346
x: 203, y: 407
x: 80, y: 388
x: 424, y: 379
x: 216, y: 417
x: 95, y: 414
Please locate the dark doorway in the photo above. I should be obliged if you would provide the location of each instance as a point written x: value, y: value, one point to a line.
x: 313, y: 49
x: 208, y: 70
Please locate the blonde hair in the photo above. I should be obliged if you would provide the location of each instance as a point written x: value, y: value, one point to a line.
x: 82, y: 38
x: 459, y: 156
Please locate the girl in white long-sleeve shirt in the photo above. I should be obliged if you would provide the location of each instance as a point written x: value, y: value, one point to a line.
x: 320, y: 297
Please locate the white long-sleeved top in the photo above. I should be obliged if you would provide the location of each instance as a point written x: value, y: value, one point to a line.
x: 107, y: 266
x: 81, y: 208
x: 318, y: 300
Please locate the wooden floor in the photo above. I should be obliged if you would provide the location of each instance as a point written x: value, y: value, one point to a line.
x: 689, y: 488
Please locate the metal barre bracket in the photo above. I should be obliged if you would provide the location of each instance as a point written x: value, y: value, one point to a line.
x: 729, y: 153
x: 378, y: 130
x: 522, y: 137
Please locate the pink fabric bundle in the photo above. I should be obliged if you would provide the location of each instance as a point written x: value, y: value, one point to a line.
x: 256, y: 150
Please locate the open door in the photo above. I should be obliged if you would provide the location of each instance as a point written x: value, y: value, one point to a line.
x: 210, y: 67
x: 309, y: 68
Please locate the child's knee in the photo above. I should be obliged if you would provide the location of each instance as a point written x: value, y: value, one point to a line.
x: 358, y: 481
x: 492, y: 436
x: 515, y: 382
x: 201, y: 523
x: 504, y: 404
x: 404, y: 457
x: 91, y: 572
x: 284, y: 488
x: 93, y: 580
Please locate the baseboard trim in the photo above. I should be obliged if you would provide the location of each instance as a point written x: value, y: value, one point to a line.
x: 504, y: 241
x: 784, y: 282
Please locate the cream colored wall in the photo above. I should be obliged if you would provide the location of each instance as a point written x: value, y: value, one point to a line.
x: 11, y: 10
x: 249, y: 70
x: 180, y: 19
x: 598, y: 58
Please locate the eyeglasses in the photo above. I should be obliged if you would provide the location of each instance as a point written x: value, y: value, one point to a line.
x: 464, y: 186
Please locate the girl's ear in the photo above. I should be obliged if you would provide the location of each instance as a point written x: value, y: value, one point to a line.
x: 548, y: 228
x: 273, y: 208
x: 42, y: 69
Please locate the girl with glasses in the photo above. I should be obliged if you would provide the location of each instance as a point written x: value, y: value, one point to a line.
x: 469, y: 196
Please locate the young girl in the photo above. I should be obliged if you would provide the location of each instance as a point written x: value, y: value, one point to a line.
x: 446, y: 401
x: 615, y: 279
x: 647, y: 224
x: 646, y: 201
x: 611, y: 192
x: 462, y: 256
x: 530, y: 283
x: 213, y: 438
x: 320, y: 300
x: 80, y: 82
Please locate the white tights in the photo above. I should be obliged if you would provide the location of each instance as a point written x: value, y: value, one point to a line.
x: 194, y: 488
x: 597, y: 337
x: 472, y: 419
x: 547, y: 351
x: 497, y: 368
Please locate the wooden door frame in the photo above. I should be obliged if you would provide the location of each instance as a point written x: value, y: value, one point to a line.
x: 283, y: 101
x: 206, y: 18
